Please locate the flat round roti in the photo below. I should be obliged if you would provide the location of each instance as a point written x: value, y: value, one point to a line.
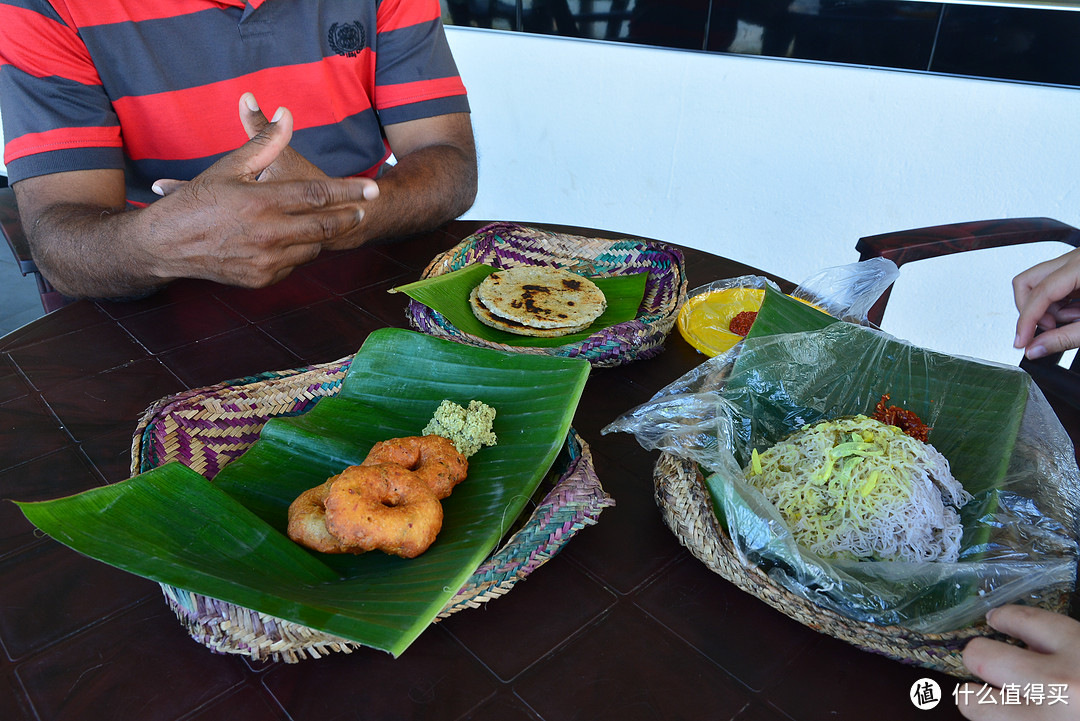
x: 488, y: 318
x: 541, y: 297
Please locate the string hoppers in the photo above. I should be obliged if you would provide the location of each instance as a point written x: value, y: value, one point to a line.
x: 860, y: 489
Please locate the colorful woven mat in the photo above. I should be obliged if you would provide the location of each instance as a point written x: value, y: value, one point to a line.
x: 506, y: 245
x: 208, y: 427
x: 686, y: 508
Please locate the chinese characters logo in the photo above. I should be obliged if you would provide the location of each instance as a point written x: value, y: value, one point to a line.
x: 1013, y: 694
x: 925, y: 694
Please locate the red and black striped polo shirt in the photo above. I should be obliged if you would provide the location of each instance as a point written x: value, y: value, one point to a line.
x: 152, y: 86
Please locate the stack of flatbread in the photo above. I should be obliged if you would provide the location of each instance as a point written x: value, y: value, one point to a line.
x: 537, y: 301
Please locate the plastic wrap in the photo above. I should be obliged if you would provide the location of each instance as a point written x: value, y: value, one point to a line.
x: 849, y: 291
x: 846, y: 292
x: 1003, y: 440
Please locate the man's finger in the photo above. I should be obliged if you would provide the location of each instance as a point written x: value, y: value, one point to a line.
x: 257, y: 154
x: 299, y: 197
x: 251, y: 115
x: 165, y: 186
x: 321, y: 226
x: 273, y: 266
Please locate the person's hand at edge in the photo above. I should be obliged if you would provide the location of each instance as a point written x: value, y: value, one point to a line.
x: 1042, y: 294
x: 1052, y: 658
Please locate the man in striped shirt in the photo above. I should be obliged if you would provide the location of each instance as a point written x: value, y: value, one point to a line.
x: 108, y: 104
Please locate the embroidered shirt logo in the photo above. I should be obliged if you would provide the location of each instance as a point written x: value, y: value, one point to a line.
x: 347, y: 39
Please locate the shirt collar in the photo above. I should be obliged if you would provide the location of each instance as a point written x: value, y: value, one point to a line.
x: 242, y: 4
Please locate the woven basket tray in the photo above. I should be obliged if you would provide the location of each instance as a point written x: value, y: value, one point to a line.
x: 506, y: 245
x: 687, y: 510
x: 208, y: 427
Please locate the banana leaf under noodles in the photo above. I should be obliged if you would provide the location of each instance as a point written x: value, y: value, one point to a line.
x: 1003, y: 441
x: 225, y: 539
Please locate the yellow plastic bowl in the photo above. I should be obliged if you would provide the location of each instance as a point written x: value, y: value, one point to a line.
x: 704, y: 318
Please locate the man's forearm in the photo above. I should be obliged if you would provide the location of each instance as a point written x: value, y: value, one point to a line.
x: 85, y: 252
x: 224, y: 225
x: 425, y: 189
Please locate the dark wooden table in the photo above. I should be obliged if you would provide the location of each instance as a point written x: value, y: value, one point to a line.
x: 623, y: 624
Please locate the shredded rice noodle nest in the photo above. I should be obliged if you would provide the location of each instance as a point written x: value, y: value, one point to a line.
x: 857, y: 488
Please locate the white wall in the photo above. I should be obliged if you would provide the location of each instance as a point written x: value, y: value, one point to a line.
x: 779, y: 164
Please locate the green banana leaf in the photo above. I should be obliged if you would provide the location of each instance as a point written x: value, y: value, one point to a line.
x: 798, y: 366
x: 225, y: 539
x: 973, y: 408
x: 448, y: 295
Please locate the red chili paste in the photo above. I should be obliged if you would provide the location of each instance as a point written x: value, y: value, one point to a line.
x: 740, y: 324
x: 905, y: 420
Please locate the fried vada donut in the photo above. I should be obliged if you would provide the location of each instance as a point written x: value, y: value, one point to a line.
x: 383, y: 507
x: 307, y: 520
x: 434, y: 458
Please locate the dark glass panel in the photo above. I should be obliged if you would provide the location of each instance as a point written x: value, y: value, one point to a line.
x: 1010, y: 43
x: 669, y: 23
x: 756, y: 27
x: 860, y: 32
x: 592, y: 19
x: 1003, y: 43
x: 494, y: 14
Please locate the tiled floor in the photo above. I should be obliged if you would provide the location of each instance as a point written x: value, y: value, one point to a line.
x: 19, y: 302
